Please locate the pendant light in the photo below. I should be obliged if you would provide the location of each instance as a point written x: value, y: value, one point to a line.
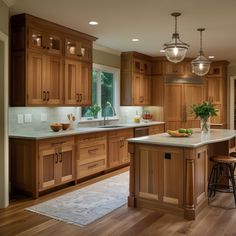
x: 175, y: 50
x: 201, y: 65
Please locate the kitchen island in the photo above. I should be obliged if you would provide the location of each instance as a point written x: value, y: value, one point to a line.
x: 171, y: 173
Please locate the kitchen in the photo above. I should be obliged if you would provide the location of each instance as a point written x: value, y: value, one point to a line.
x: 37, y: 118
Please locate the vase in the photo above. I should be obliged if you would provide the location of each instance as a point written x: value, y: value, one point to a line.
x: 205, y: 125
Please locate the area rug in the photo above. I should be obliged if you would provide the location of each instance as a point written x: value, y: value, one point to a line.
x: 83, y: 206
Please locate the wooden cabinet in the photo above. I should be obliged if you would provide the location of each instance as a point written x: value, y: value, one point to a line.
x: 36, y: 166
x: 118, y: 147
x: 44, y: 79
x: 39, y: 73
x: 135, y: 79
x: 178, y: 101
x: 56, y: 162
x: 92, y: 154
x: 77, y: 82
x: 216, y: 91
x: 160, y: 174
x: 156, y: 129
x: 171, y: 68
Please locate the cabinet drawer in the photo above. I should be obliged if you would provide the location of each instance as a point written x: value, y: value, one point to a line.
x: 156, y: 129
x: 92, y: 152
x: 91, y: 141
x: 56, y: 142
x: 124, y: 132
x: 91, y: 168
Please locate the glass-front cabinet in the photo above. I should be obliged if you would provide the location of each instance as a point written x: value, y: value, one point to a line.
x: 50, y: 42
x: 81, y: 50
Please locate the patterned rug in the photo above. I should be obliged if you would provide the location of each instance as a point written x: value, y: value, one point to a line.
x: 88, y: 204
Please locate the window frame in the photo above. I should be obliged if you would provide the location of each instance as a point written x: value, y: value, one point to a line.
x: 116, y: 92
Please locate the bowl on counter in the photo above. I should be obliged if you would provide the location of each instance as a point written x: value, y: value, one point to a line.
x: 56, y: 127
x: 65, y: 126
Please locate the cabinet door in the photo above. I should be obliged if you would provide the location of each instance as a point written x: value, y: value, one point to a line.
x: 193, y: 94
x: 54, y: 80
x: 36, y: 38
x: 174, y: 69
x: 86, y: 50
x: 72, y: 80
x: 146, y: 89
x: 174, y: 102
x: 66, y: 165
x: 125, y: 155
x: 115, y: 153
x: 85, y: 84
x: 214, y: 90
x: 137, y: 82
x: 36, y: 89
x: 48, y: 160
x: 54, y: 43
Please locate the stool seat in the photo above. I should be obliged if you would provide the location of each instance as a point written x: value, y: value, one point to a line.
x: 233, y: 154
x: 223, y: 159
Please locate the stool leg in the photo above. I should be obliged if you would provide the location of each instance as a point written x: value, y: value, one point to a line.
x: 211, y: 179
x: 216, y: 178
x: 232, y: 181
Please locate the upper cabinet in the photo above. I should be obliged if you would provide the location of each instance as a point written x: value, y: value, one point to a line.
x: 46, y: 59
x: 135, y: 79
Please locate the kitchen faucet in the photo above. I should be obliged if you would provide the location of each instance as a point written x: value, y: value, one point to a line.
x: 108, y: 104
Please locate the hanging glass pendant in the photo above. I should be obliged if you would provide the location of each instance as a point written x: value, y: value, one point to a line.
x: 175, y: 50
x: 201, y: 65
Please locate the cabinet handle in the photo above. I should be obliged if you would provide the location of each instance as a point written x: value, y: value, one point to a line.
x: 80, y: 97
x: 56, y: 154
x: 93, y: 150
x: 77, y: 97
x: 48, y: 95
x: 60, y: 157
x: 92, y: 166
x: 44, y: 96
x: 141, y: 99
x: 56, y: 143
x: 44, y: 47
x: 48, y: 47
x: 168, y: 156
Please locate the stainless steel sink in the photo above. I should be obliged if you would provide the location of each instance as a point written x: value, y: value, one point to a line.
x: 111, y: 126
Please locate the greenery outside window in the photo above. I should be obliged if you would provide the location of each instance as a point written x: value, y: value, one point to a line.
x: 105, y: 92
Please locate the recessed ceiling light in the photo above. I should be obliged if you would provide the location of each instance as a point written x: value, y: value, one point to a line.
x: 162, y: 50
x: 135, y: 40
x: 93, y: 22
x: 211, y: 57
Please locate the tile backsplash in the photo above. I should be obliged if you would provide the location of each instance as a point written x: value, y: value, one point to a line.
x: 39, y: 118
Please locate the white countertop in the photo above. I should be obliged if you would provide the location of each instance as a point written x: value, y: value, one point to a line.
x: 80, y: 130
x: 195, y: 140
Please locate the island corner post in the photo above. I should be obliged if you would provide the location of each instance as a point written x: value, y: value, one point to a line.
x: 171, y: 178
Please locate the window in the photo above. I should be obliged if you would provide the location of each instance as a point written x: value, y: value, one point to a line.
x: 105, y: 91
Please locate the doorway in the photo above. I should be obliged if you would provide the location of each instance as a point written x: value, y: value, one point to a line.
x: 4, y: 157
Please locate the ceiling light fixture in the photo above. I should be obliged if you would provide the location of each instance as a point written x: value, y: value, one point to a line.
x: 135, y: 40
x: 93, y: 22
x: 175, y: 50
x: 211, y: 57
x: 201, y: 65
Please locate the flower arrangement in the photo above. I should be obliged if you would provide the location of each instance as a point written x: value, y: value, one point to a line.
x: 204, y: 111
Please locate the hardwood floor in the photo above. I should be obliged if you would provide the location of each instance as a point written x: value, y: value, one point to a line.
x: 217, y: 219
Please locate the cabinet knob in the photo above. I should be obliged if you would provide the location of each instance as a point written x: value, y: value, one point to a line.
x: 48, y: 96
x: 44, y: 96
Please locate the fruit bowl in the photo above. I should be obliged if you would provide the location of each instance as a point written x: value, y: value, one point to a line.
x: 65, y: 126
x: 56, y: 127
x: 180, y: 132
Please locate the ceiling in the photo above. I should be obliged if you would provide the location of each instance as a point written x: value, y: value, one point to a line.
x: 150, y: 21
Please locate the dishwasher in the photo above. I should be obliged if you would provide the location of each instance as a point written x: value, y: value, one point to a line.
x: 141, y: 131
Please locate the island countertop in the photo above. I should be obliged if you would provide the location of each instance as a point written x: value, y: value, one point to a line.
x: 193, y: 141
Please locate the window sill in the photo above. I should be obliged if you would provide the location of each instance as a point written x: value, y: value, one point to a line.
x: 98, y: 120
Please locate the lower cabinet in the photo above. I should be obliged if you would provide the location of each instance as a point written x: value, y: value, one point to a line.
x: 118, y: 147
x: 56, y: 162
x: 92, y: 154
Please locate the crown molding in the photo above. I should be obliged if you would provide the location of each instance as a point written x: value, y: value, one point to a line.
x: 9, y: 3
x: 106, y: 49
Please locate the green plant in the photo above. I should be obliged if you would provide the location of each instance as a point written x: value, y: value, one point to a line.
x: 94, y: 109
x: 204, y: 110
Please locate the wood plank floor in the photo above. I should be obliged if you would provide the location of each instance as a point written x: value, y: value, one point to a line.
x: 217, y: 219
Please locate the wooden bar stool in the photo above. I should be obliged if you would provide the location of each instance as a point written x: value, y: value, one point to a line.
x: 223, y: 165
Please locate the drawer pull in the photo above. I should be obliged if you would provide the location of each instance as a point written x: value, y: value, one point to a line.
x: 92, y: 166
x: 92, y: 150
x: 56, y: 157
x: 168, y: 156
